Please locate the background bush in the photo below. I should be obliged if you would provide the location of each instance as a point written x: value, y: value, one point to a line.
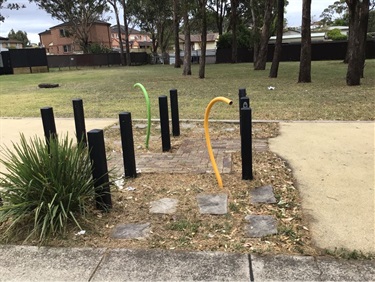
x: 244, y: 39
x: 335, y: 34
x: 45, y: 188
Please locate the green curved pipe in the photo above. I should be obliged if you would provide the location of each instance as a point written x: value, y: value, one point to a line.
x: 148, y: 112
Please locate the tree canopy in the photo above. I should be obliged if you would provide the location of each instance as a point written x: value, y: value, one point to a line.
x: 11, y: 6
x: 338, y: 13
x: 20, y: 36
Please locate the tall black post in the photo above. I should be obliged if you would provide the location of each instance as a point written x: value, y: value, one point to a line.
x: 174, y: 112
x: 241, y: 93
x: 48, y: 123
x: 246, y: 144
x: 127, y: 141
x: 79, y: 120
x: 164, y: 123
x: 100, y: 169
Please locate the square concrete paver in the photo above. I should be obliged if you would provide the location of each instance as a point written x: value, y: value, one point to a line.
x: 260, y: 226
x: 262, y: 195
x: 213, y: 203
x: 164, y: 206
x: 131, y: 231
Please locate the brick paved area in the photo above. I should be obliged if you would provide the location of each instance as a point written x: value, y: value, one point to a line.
x: 192, y: 157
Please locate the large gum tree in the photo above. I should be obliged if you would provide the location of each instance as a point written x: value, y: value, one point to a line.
x: 358, y: 22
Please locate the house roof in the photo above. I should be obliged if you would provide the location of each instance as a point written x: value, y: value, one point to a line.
x: 338, y: 27
x: 68, y: 23
x: 114, y: 29
x: 298, y: 36
x: 10, y: 40
x: 198, y: 38
x: 45, y: 32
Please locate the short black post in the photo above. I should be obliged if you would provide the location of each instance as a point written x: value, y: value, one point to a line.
x: 241, y: 93
x: 100, y: 169
x: 79, y: 120
x: 48, y: 123
x: 127, y: 141
x: 164, y: 123
x: 246, y: 144
x: 174, y: 112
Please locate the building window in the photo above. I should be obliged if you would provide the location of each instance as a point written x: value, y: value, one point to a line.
x: 64, y: 33
x: 67, y: 48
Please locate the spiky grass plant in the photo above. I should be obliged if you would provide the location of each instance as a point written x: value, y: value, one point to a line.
x: 45, y: 187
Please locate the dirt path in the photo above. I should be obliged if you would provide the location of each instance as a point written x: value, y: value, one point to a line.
x: 334, y: 167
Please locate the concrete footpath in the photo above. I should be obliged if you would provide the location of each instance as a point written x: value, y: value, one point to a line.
x: 11, y: 128
x: 19, y: 263
x: 333, y: 163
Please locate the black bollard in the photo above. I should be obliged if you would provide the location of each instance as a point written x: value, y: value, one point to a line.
x: 100, y: 169
x: 79, y: 120
x: 127, y: 144
x: 174, y: 112
x: 164, y: 123
x: 246, y: 144
x: 241, y: 93
x: 48, y: 123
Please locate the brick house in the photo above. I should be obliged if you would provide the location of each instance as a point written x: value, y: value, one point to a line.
x: 196, y: 41
x: 138, y: 40
x: 6, y: 43
x: 57, y: 42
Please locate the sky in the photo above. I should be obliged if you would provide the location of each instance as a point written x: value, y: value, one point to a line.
x: 33, y: 20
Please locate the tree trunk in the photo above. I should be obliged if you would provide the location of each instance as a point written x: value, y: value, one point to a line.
x: 234, y: 20
x: 279, y: 40
x: 220, y: 12
x: 358, y: 21
x: 176, y: 29
x: 202, y: 62
x: 187, y: 47
x: 261, y: 60
x: 256, y: 35
x: 305, y: 58
x: 122, y: 55
x: 127, y: 47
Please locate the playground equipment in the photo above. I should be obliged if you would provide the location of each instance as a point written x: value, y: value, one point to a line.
x: 97, y: 148
x: 207, y: 135
x: 148, y: 111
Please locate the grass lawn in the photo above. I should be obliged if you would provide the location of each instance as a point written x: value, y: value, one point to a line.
x: 108, y: 91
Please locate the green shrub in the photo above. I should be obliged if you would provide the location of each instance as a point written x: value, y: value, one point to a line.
x: 335, y: 34
x: 45, y: 188
x: 96, y: 48
x: 244, y: 39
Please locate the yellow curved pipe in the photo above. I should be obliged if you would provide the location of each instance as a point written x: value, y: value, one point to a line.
x: 207, y: 134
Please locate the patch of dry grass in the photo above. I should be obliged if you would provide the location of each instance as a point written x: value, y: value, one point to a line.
x: 187, y: 229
